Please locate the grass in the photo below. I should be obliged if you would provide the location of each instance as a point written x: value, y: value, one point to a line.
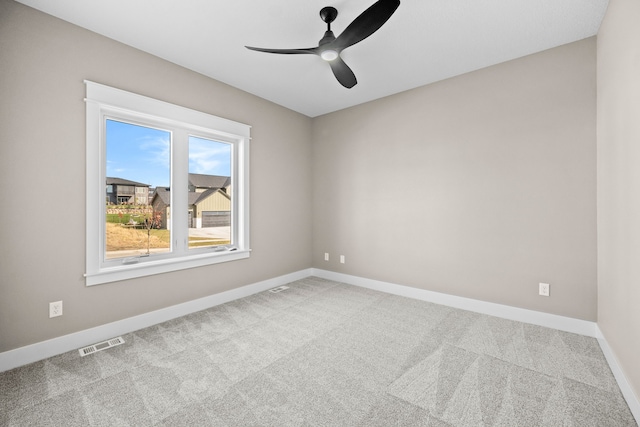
x: 195, y: 242
x: 121, y: 238
x: 124, y: 218
x: 117, y: 219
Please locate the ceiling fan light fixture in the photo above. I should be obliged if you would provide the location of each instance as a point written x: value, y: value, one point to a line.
x: 329, y: 55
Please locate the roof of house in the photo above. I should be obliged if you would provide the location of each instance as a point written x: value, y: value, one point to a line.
x: 164, y: 193
x: 192, y: 197
x: 209, y: 181
x: 121, y: 181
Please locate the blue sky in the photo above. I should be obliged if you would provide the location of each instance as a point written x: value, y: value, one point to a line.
x: 142, y: 154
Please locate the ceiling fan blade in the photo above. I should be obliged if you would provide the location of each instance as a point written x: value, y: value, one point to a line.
x: 343, y: 73
x: 313, y: 50
x: 367, y: 23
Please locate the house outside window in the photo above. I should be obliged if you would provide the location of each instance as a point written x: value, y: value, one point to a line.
x: 151, y: 157
x: 124, y: 191
x: 209, y: 208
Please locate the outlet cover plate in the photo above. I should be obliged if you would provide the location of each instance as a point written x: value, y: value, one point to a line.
x: 543, y: 289
x: 55, y: 309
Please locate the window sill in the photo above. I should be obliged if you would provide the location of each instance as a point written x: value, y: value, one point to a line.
x: 148, y: 268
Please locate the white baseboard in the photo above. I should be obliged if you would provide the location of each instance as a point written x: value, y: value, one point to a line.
x: 45, y: 349
x: 618, y: 373
x: 567, y: 324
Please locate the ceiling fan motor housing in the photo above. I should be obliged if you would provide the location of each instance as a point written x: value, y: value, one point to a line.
x: 328, y: 38
x: 328, y: 14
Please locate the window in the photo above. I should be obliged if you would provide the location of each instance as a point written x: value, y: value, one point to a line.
x: 135, y: 153
x: 179, y: 183
x: 209, y: 192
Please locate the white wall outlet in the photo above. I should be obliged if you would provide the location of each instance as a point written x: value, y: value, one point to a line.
x: 55, y: 309
x: 326, y: 256
x: 543, y: 289
x: 341, y: 259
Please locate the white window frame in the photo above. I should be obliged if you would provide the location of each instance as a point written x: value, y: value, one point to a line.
x: 104, y: 102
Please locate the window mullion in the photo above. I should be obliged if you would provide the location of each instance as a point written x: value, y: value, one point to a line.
x: 179, y: 190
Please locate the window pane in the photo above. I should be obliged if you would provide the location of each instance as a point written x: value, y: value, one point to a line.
x: 209, y: 196
x: 138, y: 165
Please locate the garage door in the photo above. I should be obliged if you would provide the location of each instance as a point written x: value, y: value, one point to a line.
x: 216, y: 218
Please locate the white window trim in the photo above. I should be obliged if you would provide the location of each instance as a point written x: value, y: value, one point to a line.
x: 104, y: 101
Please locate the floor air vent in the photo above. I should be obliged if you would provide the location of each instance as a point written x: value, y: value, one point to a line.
x: 279, y: 289
x: 101, y: 346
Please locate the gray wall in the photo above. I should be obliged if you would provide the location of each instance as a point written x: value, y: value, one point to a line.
x: 481, y: 186
x: 43, y: 62
x: 619, y: 184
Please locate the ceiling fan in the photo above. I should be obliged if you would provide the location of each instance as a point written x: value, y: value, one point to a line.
x: 330, y: 46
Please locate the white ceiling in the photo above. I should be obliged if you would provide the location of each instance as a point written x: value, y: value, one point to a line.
x: 423, y: 42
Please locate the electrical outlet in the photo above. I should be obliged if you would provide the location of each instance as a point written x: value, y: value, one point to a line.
x: 326, y: 256
x: 543, y: 289
x: 55, y: 309
x: 341, y: 259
